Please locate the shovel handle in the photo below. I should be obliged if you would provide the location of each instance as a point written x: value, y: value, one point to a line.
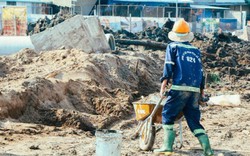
x: 157, y: 105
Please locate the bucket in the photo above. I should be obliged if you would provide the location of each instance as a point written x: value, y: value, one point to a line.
x: 108, y: 143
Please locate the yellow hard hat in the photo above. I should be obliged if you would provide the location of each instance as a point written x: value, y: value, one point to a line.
x: 181, y: 27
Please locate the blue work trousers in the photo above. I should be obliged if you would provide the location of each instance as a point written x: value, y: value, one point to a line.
x: 182, y: 101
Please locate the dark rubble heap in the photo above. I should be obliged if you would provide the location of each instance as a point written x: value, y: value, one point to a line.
x: 44, y: 23
x: 152, y: 33
x: 226, y: 58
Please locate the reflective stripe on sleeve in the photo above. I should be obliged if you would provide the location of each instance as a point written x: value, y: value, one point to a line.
x: 169, y: 62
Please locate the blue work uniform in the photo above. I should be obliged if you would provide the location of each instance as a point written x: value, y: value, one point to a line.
x: 183, y: 65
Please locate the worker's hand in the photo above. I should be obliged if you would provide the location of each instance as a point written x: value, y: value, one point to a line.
x: 162, y: 93
x: 163, y: 89
x: 203, y: 99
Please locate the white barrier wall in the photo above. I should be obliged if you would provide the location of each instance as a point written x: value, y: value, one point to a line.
x: 133, y: 24
x: 137, y: 24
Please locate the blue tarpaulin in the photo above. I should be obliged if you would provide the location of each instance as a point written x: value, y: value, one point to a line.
x: 228, y: 24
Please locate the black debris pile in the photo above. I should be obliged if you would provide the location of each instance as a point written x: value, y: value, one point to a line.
x: 44, y: 23
x: 152, y: 33
x: 226, y: 58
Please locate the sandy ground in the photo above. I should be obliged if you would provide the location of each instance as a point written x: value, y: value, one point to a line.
x: 228, y: 128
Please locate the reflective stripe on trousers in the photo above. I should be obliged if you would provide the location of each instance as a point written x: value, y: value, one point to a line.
x: 185, y: 88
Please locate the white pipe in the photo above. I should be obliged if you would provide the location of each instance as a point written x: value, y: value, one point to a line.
x: 12, y: 44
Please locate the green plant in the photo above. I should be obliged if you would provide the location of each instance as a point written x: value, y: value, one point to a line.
x: 213, y: 78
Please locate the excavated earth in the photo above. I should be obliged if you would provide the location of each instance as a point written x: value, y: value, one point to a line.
x: 52, y: 102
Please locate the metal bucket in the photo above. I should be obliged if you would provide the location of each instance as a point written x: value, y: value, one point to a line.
x: 108, y: 143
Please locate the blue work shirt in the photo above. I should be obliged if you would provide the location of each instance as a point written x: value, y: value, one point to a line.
x: 183, y: 65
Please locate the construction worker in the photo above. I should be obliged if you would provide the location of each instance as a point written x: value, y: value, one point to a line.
x: 182, y: 65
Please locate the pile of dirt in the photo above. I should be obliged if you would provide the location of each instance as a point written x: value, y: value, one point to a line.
x: 94, y: 90
x: 70, y: 88
x: 225, y: 57
x: 74, y: 89
x: 226, y: 62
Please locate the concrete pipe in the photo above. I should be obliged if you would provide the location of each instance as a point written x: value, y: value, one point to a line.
x: 111, y: 41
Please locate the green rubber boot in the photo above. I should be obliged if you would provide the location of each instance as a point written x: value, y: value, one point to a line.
x: 168, y: 140
x: 204, y: 141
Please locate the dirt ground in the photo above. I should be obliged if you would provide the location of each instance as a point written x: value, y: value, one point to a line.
x: 228, y: 129
x: 52, y: 102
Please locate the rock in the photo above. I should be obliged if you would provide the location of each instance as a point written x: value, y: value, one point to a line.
x: 221, y: 52
x: 246, y: 132
x: 169, y: 24
x: 34, y: 147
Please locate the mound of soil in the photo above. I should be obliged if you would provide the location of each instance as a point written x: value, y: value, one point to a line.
x: 74, y: 89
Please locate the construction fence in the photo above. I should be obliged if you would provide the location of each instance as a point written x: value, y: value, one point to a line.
x: 13, y: 21
x: 137, y: 24
x: 140, y: 17
x: 190, y: 14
